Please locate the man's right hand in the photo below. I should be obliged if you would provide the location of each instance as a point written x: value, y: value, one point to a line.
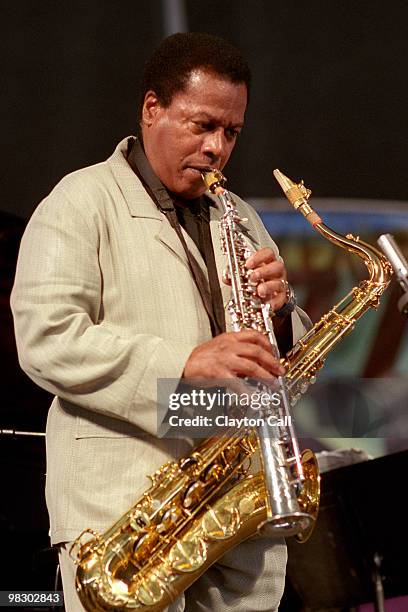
x: 234, y: 354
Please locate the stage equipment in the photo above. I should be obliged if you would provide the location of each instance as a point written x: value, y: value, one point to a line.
x: 400, y: 265
x: 354, y: 555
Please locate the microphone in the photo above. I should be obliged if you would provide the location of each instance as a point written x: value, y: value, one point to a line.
x: 400, y: 266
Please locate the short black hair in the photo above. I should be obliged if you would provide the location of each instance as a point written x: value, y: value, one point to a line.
x: 170, y: 66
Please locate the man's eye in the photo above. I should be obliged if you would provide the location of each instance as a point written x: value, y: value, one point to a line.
x: 205, y: 126
x: 232, y: 133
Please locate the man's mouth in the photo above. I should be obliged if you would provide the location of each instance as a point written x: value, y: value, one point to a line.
x: 200, y: 169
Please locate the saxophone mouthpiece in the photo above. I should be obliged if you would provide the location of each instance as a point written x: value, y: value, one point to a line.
x: 283, y: 180
x: 298, y: 196
x: 214, y: 180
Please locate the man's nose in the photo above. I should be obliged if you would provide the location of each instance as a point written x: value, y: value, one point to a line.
x: 215, y: 144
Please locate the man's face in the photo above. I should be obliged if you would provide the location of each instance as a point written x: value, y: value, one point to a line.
x: 197, y: 130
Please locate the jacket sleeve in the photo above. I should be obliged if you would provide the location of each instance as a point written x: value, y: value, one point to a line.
x: 62, y: 344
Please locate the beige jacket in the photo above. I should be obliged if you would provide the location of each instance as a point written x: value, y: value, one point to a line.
x: 104, y: 306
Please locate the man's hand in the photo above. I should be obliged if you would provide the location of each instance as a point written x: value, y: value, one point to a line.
x: 234, y: 354
x: 270, y: 275
x: 246, y: 353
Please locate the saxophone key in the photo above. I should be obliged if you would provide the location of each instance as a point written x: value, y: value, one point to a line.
x: 188, y: 554
x: 139, y: 521
x: 222, y: 523
x: 169, y: 519
x: 193, y: 494
x: 143, y: 545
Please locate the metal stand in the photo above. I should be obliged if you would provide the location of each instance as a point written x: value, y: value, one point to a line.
x: 379, y: 603
x: 403, y: 304
x: 400, y: 267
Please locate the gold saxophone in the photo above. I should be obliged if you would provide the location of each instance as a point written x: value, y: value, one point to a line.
x: 189, y: 517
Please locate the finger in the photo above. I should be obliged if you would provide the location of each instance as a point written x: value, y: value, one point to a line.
x: 275, y: 300
x: 248, y: 368
x: 272, y: 289
x: 271, y: 271
x: 253, y: 337
x: 261, y: 257
x: 276, y: 303
x: 258, y: 339
x: 248, y: 343
x: 262, y: 358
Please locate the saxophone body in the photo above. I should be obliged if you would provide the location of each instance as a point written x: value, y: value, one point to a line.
x: 202, y: 505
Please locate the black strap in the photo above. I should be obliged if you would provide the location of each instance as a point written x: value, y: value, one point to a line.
x: 159, y: 194
x: 217, y: 300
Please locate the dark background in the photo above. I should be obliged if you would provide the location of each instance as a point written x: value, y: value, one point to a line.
x: 328, y: 101
x: 327, y: 105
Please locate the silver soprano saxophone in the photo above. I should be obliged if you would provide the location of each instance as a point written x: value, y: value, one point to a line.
x: 199, y: 507
x: 278, y: 446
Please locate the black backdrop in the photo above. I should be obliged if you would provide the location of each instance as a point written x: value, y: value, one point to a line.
x: 328, y: 105
x: 328, y: 101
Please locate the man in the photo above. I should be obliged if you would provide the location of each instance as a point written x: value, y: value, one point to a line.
x: 106, y: 303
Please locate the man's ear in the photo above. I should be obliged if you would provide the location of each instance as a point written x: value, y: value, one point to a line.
x: 151, y: 106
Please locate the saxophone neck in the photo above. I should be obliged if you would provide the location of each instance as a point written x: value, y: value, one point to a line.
x: 377, y: 264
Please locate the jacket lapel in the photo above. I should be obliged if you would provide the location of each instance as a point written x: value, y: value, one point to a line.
x: 141, y: 205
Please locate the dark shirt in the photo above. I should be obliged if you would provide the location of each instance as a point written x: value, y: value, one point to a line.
x: 192, y: 216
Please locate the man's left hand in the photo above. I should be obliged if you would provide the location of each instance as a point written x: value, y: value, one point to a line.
x: 270, y: 275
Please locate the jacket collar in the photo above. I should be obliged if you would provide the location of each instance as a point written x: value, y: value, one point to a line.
x: 141, y: 205
x: 137, y: 199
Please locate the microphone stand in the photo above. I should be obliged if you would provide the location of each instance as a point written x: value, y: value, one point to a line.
x: 400, y: 266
